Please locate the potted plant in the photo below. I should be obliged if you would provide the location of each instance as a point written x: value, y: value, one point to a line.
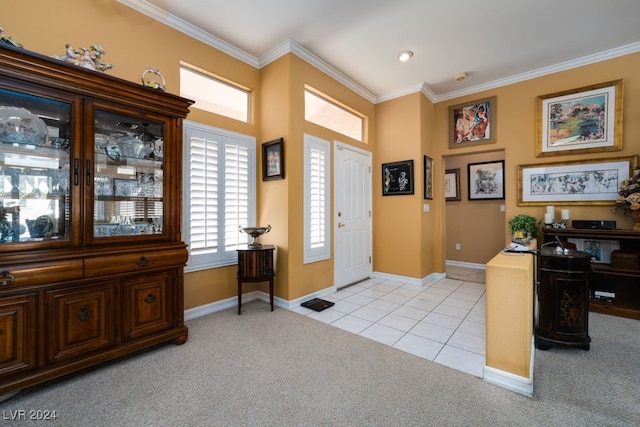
x: 523, y: 226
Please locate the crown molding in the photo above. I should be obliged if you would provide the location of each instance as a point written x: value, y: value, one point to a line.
x: 291, y: 46
x: 540, y: 72
x: 191, y: 30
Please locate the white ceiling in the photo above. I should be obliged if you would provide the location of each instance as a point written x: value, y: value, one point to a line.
x: 495, y: 42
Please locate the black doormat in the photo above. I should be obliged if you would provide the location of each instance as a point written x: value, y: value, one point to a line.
x: 317, y: 304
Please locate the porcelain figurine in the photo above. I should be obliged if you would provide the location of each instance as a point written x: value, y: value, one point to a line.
x: 90, y: 58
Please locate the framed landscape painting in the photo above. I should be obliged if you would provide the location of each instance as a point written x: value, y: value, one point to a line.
x: 584, y: 182
x: 584, y: 120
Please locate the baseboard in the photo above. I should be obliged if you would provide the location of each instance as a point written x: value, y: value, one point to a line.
x: 411, y: 280
x: 509, y: 381
x: 203, y: 310
x: 466, y: 264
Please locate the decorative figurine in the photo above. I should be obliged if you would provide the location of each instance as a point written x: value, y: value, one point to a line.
x: 152, y: 83
x: 7, y: 39
x: 90, y: 58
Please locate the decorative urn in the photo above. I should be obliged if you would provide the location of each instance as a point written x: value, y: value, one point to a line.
x: 255, y: 232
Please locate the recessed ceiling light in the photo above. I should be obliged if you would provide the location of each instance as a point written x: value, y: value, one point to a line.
x: 405, y: 55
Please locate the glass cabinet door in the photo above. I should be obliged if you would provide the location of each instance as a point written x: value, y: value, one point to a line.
x: 128, y: 190
x: 35, y: 168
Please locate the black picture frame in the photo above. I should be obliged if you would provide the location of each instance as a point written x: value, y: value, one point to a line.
x: 397, y: 178
x: 273, y: 160
x: 428, y: 178
x: 486, y: 180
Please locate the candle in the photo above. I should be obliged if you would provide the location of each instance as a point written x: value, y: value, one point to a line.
x: 551, y: 210
x: 548, y: 218
x: 565, y: 214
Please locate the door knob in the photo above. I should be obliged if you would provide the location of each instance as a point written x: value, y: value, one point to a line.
x: 340, y: 225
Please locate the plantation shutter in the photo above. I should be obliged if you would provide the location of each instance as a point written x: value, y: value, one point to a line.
x: 203, y: 178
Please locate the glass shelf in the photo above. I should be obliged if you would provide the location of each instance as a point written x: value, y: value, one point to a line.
x: 128, y: 190
x: 35, y: 172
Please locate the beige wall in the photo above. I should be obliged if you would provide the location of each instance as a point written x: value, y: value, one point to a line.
x: 517, y: 137
x: 476, y: 225
x: 407, y: 241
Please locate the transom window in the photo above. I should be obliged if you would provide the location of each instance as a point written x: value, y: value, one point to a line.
x: 321, y: 111
x: 214, y: 95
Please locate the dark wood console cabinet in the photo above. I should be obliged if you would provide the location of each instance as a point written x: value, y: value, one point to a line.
x: 562, y: 315
x: 619, y: 284
x: 91, y: 256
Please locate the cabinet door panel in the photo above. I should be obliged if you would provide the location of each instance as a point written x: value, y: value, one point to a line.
x: 128, y: 169
x: 17, y: 335
x: 146, y: 305
x: 79, y: 320
x: 37, y: 180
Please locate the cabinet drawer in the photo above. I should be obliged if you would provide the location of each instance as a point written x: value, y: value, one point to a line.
x: 39, y: 273
x: 139, y: 261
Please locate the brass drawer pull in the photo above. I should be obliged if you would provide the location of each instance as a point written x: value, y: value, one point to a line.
x: 83, y: 314
x: 6, y: 278
x: 150, y: 298
x: 143, y: 262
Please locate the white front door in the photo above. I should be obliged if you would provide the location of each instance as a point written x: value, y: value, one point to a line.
x: 352, y: 215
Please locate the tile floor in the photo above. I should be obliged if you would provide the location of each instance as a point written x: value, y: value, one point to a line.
x: 443, y: 321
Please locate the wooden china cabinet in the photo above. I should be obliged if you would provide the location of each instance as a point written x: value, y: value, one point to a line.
x: 91, y: 256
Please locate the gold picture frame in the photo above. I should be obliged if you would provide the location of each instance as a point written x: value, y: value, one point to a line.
x: 580, y: 182
x: 583, y: 120
x: 473, y: 123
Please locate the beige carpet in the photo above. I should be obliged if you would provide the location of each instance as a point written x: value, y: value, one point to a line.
x: 284, y: 369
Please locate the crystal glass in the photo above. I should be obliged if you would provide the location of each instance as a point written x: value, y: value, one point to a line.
x: 35, y: 172
x: 128, y: 176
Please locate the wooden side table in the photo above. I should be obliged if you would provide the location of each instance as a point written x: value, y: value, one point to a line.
x: 255, y: 265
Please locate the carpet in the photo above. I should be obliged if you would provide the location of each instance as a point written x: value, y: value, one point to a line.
x: 266, y: 369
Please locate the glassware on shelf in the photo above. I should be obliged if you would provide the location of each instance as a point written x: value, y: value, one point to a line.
x: 127, y: 226
x: 19, y: 125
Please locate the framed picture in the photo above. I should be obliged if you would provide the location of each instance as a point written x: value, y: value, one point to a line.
x: 397, y: 178
x: 452, y: 185
x: 584, y: 120
x: 599, y: 249
x: 428, y: 178
x: 102, y: 186
x: 583, y: 182
x: 125, y: 187
x: 273, y: 160
x: 473, y: 123
x: 486, y: 180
